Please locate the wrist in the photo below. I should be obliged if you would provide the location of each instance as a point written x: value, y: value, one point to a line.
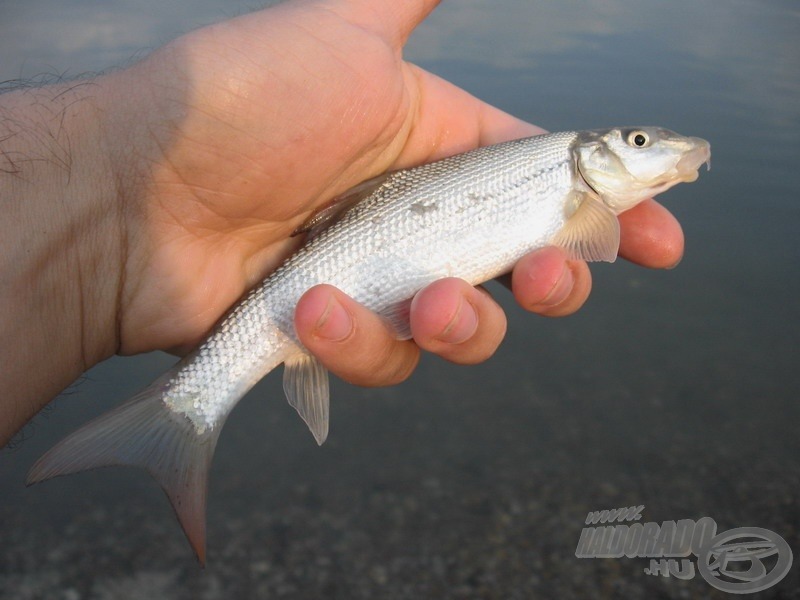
x: 60, y: 246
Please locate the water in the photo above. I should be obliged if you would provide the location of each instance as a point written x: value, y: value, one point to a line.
x: 674, y: 390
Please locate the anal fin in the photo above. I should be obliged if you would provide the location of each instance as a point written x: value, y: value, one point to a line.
x: 592, y: 232
x: 305, y: 382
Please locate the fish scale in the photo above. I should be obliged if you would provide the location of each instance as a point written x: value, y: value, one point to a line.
x: 471, y: 216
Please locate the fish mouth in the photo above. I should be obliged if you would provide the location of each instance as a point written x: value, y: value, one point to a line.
x: 690, y: 163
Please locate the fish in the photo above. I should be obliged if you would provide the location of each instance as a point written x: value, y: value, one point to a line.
x: 471, y: 215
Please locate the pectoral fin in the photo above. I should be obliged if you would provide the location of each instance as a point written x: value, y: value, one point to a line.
x: 305, y: 382
x: 592, y: 232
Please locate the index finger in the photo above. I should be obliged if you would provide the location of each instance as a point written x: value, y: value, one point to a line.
x: 650, y: 236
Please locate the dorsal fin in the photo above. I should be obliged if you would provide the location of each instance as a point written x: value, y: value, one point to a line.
x: 336, y: 208
x: 592, y: 232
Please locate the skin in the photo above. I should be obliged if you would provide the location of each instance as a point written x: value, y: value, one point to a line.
x: 139, y: 205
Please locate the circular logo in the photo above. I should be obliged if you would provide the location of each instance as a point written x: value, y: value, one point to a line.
x: 734, y: 560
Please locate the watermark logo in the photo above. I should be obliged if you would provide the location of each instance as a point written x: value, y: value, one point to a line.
x: 739, y: 561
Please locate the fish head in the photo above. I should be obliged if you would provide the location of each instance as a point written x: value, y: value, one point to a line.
x: 626, y: 165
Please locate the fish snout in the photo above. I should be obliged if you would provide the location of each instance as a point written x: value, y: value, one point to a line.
x: 698, y: 154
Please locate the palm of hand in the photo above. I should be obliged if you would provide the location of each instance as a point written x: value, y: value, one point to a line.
x: 260, y: 120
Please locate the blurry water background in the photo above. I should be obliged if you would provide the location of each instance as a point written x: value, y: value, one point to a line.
x: 677, y: 390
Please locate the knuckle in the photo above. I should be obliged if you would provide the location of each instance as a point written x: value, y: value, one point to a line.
x: 394, y: 362
x: 373, y: 356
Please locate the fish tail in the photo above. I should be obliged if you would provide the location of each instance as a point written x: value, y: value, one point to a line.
x: 144, y: 432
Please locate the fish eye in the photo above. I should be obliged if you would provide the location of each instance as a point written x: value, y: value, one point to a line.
x: 638, y: 139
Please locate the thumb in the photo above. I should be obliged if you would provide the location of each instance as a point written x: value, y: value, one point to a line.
x: 393, y: 20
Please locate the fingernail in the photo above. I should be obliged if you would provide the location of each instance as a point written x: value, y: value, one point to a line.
x: 462, y: 326
x: 335, y: 324
x: 560, y: 290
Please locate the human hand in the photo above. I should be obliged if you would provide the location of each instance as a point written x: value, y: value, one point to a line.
x: 327, y: 102
x: 266, y: 117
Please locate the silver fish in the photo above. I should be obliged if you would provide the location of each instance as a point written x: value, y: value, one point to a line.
x: 471, y: 216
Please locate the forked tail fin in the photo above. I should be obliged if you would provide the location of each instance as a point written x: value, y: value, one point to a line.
x: 144, y: 432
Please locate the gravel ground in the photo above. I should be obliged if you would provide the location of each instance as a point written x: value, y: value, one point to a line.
x: 464, y: 483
